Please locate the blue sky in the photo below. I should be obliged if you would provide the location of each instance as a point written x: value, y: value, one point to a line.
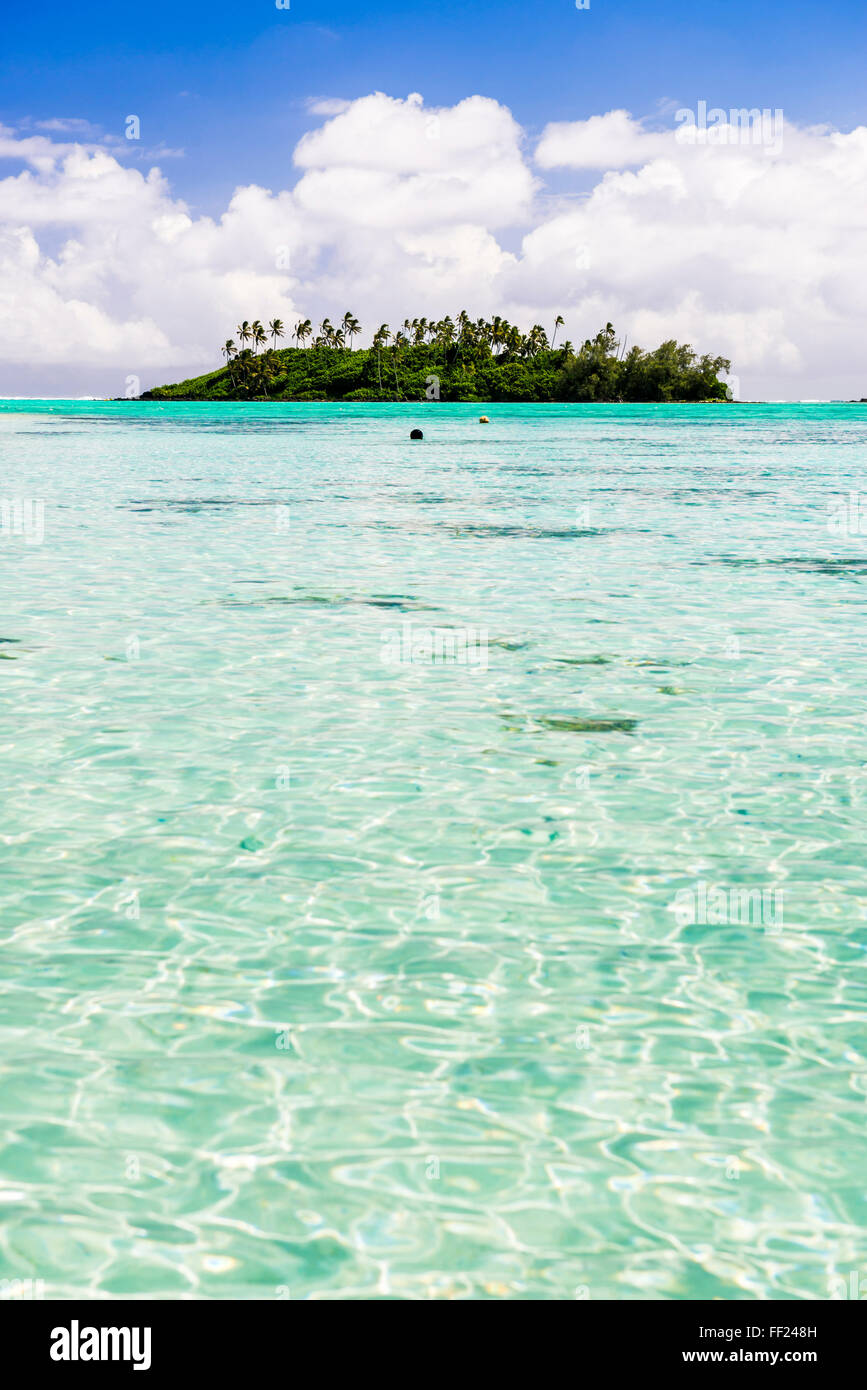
x: 228, y: 84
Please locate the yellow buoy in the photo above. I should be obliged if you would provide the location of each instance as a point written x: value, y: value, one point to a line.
x: 483, y: 420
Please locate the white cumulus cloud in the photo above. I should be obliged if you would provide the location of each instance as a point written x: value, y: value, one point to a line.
x: 750, y: 249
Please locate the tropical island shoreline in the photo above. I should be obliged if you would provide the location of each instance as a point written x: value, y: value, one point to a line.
x: 468, y: 360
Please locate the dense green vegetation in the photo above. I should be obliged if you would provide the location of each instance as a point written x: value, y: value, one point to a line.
x: 450, y: 360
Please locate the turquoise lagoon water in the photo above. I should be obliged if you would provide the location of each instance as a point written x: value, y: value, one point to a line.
x: 328, y: 975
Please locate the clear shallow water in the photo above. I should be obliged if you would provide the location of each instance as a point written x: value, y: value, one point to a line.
x: 327, y: 977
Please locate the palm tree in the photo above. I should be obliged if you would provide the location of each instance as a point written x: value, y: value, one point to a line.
x: 380, y: 338
x: 558, y: 323
x: 400, y: 341
x: 303, y: 329
x: 228, y: 351
x: 446, y: 331
x: 326, y: 332
x: 275, y: 330
x: 259, y: 334
x: 265, y: 371
x: 537, y: 340
x: 240, y: 369
x: 350, y: 326
x: 513, y: 340
x: 244, y: 332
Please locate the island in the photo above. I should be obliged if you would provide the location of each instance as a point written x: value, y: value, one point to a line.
x: 459, y: 359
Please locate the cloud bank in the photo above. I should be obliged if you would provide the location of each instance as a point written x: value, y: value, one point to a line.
x: 748, y: 247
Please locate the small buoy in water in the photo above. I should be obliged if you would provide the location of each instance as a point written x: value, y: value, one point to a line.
x: 483, y: 420
x: 416, y: 434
